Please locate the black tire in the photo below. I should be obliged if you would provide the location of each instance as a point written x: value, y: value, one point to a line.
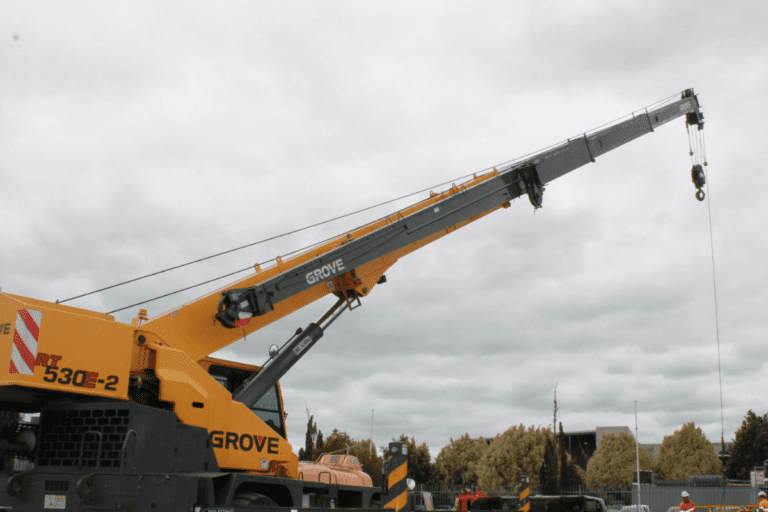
x: 252, y: 500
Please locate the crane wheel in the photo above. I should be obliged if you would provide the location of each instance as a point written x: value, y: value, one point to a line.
x: 252, y: 500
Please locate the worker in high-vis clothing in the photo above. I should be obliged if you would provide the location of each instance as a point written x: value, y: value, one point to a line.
x: 763, y: 501
x: 687, y: 503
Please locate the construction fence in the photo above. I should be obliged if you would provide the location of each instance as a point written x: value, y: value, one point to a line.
x: 652, y: 498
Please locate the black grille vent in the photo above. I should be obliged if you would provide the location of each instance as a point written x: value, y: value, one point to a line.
x: 57, y: 485
x: 64, y: 441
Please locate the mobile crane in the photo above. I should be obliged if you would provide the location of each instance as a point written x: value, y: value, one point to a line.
x: 139, y: 417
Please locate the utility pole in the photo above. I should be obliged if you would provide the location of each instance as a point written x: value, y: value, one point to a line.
x: 554, y: 418
x: 637, y: 458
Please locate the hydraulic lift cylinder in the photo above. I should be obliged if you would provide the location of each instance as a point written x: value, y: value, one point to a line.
x: 281, y: 361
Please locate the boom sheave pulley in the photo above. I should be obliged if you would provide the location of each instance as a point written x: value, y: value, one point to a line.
x: 696, y: 147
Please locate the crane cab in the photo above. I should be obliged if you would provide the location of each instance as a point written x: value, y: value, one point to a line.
x: 231, y: 375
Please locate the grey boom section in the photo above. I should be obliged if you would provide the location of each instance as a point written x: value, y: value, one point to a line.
x: 463, y: 205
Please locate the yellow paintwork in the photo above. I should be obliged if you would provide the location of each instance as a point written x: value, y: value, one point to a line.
x: 397, y: 475
x: 398, y: 502
x: 185, y: 381
x: 83, y: 341
x: 171, y: 345
x: 193, y: 328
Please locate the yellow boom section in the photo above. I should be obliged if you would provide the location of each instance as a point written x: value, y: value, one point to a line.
x: 352, y: 264
x: 194, y: 329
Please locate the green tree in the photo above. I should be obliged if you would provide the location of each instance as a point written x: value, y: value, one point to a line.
x: 337, y: 442
x: 309, y: 440
x: 570, y: 474
x: 614, y: 462
x: 518, y: 451
x: 750, y: 447
x: 371, y: 463
x: 463, y: 454
x: 365, y: 451
x: 549, y: 474
x: 420, y: 467
x: 686, y: 452
x: 319, y: 443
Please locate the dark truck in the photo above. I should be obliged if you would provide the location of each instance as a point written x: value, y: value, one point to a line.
x: 542, y: 504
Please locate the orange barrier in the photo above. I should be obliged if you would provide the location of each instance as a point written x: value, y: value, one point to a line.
x: 726, y: 508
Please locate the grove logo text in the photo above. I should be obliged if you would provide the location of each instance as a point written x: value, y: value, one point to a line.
x: 325, y: 271
x: 245, y: 442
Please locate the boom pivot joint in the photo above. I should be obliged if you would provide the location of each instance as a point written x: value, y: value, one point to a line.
x: 236, y: 307
x: 696, y: 117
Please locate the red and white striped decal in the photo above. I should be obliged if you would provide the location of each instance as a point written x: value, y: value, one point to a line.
x: 25, y: 337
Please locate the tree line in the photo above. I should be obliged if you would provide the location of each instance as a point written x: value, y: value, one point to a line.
x: 541, y: 454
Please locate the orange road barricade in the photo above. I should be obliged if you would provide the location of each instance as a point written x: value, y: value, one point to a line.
x: 726, y: 508
x: 465, y: 499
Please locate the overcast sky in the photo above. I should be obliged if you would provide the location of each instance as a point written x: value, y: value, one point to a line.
x: 135, y: 136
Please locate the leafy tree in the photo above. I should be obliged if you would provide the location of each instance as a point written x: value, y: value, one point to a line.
x: 687, y: 452
x: 518, y: 451
x: 548, y: 473
x: 365, y: 451
x: 309, y: 440
x: 570, y: 473
x: 522, y: 451
x: 337, y: 442
x: 463, y: 454
x: 420, y: 467
x: 614, y: 462
x: 319, y: 443
x: 750, y: 448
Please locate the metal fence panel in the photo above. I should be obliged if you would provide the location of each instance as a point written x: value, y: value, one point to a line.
x: 658, y: 498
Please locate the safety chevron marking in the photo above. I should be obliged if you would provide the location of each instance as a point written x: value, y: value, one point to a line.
x: 24, y: 351
x: 524, y: 492
x: 397, y: 469
x: 524, y: 501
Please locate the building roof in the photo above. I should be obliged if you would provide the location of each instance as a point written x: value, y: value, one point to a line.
x: 602, y: 431
x: 654, y: 448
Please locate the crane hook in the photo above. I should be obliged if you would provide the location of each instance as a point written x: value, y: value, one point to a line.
x: 697, y: 175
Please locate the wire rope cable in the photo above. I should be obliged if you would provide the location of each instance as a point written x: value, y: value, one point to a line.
x: 507, y: 164
x: 714, y: 287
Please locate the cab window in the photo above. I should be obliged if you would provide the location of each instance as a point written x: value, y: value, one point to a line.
x: 268, y: 406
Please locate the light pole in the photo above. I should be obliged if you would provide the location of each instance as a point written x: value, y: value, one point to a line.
x: 724, y: 456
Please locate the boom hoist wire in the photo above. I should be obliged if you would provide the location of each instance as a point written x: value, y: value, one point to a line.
x: 697, y: 119
x: 698, y: 152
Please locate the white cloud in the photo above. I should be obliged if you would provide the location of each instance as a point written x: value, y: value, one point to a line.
x: 141, y: 136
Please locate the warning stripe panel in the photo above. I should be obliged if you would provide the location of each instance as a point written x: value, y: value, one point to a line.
x: 19, y: 363
x: 29, y: 336
x: 399, y: 501
x: 397, y: 475
x: 24, y: 352
x: 31, y: 323
x: 524, y: 502
x: 25, y: 336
